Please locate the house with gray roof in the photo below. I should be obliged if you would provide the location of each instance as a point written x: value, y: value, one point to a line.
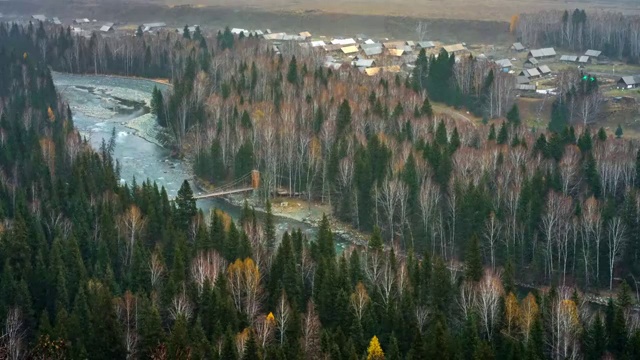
x: 364, y: 63
x: 544, y: 70
x: 39, y: 17
x: 542, y: 53
x: 531, y: 63
x: 107, y: 27
x: 593, y: 53
x: 526, y: 87
x: 629, y: 82
x: 584, y: 59
x: 56, y: 21
x: 518, y: 47
x: 530, y: 73
x: 425, y: 44
x: 504, y: 64
x: 569, y: 58
x: 373, y: 51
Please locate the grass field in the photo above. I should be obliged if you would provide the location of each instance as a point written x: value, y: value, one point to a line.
x: 439, y: 9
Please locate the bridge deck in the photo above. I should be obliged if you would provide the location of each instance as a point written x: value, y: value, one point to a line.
x: 222, y: 193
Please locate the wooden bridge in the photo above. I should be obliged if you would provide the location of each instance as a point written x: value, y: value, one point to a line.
x: 246, y: 183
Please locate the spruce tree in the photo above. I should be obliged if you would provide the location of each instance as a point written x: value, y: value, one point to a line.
x: 269, y: 227
x: 473, y: 260
x: 186, y: 33
x: 186, y: 206
x: 292, y: 74
x: 513, y: 116
x: 619, y: 132
x: 375, y: 242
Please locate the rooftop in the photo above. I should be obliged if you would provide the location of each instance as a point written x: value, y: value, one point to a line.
x: 454, y: 48
x: 343, y: 41
x: 594, y: 53
x: 583, y: 59
x: 371, y: 51
x: 518, y: 46
x: 367, y: 63
x: 545, y: 52
x: 544, y: 69
x: 505, y: 63
x: 350, y: 49
x: 39, y: 17
x: 571, y: 58
x: 426, y: 44
x: 631, y: 80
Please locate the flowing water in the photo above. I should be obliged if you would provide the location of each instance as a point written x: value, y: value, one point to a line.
x: 102, y: 104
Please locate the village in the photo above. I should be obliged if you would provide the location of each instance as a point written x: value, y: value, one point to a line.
x: 534, y: 70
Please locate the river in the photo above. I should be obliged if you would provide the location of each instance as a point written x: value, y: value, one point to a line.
x: 102, y: 103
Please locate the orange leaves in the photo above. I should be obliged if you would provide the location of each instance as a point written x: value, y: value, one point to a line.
x: 513, y: 24
x: 512, y: 313
x: 51, y: 115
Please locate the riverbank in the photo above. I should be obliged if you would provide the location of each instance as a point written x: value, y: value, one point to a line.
x: 145, y: 127
x: 294, y: 209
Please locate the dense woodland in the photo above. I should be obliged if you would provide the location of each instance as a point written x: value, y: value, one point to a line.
x: 615, y: 34
x: 93, y: 269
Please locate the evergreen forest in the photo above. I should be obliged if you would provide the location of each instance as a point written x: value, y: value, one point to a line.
x: 486, y: 240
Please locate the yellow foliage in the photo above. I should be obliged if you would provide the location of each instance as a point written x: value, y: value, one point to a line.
x: 258, y: 115
x: 270, y: 318
x: 512, y: 312
x: 25, y: 56
x: 570, y: 309
x: 514, y: 23
x: 226, y: 219
x: 374, y: 352
x: 529, y: 312
x: 52, y: 116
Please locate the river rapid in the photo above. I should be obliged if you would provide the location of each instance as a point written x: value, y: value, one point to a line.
x: 101, y: 104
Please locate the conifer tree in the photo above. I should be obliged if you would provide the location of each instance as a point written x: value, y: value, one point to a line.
x: 292, y: 73
x: 513, y: 116
x: 269, y: 227
x: 473, y: 261
x: 375, y: 242
x: 374, y: 351
x: 186, y: 33
x: 186, y: 206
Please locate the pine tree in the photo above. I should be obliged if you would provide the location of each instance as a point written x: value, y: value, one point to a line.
x: 619, y: 132
x: 139, y: 32
x: 513, y: 116
x: 186, y: 206
x: 375, y: 242
x: 602, y: 134
x: 343, y: 119
x: 292, y: 74
x: 269, y: 227
x: 252, y: 351
x: 179, y: 341
x: 473, y: 260
x: 186, y: 33
x: 426, y: 109
x: 503, y: 135
x: 492, y: 133
x: 151, y: 332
